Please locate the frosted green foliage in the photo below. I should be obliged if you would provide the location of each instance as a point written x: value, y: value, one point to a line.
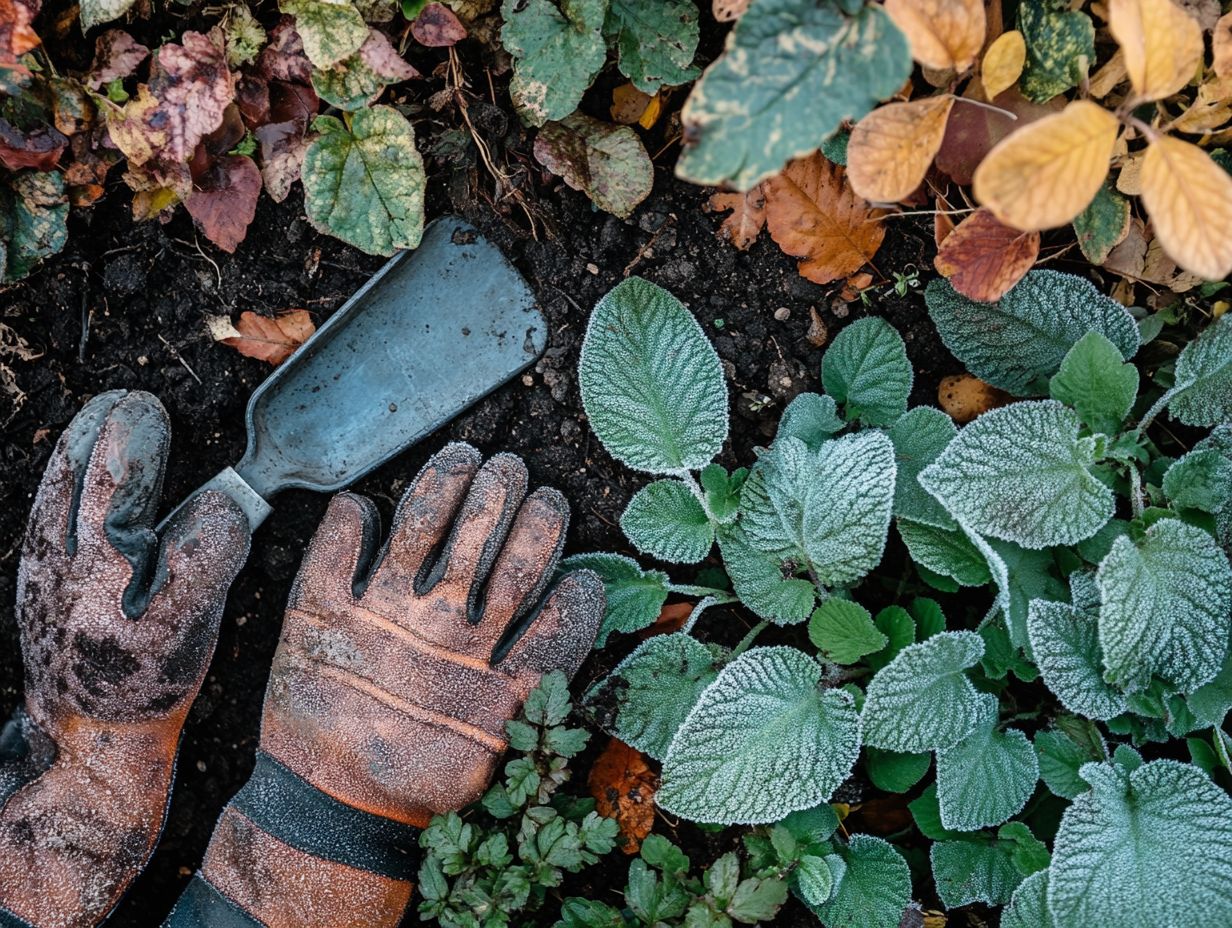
x: 722, y: 491
x: 758, y: 577
x: 945, y: 551
x: 987, y: 777
x: 651, y: 383
x: 1060, y: 759
x: 1143, y: 849
x: 898, y: 626
x: 557, y: 50
x: 1201, y: 479
x: 644, y: 700
x: 666, y: 520
x: 1022, y: 338
x: 1020, y: 576
x: 895, y: 772
x: 1065, y: 645
x: 866, y: 370
x: 1028, y: 906
x: 1202, y: 394
x: 919, y: 436
x: 874, y: 890
x: 764, y: 739
x: 1097, y: 382
x: 634, y: 596
x: 922, y: 700
x: 656, y: 41
x: 844, y: 631
x: 1084, y: 592
x: 1211, y: 701
x: 1220, y: 440
x: 977, y: 869
x: 815, y: 877
x: 811, y: 417
x: 1022, y: 474
x: 792, y: 71
x: 1166, y: 604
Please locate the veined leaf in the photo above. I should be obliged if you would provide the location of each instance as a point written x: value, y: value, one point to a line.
x: 892, y: 147
x: 945, y: 35
x: 1096, y: 381
x: 557, y: 51
x: 665, y: 520
x: 634, y: 596
x: 1204, y: 377
x: 866, y: 369
x: 1060, y: 49
x: 1188, y: 197
x: 1161, y: 43
x: 1065, y: 645
x: 919, y: 436
x: 812, y: 418
x: 874, y: 890
x: 1028, y: 906
x: 1003, y: 63
x: 330, y: 29
x: 976, y: 869
x: 844, y: 631
x: 656, y: 41
x: 1060, y: 760
x: 983, y: 258
x: 358, y: 79
x: 1103, y: 225
x: 987, y: 777
x: 607, y: 163
x: 764, y: 580
x: 945, y: 551
x: 894, y: 771
x: 1200, y: 479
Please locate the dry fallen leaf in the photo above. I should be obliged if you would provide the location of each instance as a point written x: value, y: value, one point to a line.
x: 1189, y: 199
x: 267, y: 339
x: 1221, y: 46
x: 1003, y: 63
x: 814, y: 215
x: 944, y: 34
x: 965, y: 396
x: 1161, y: 42
x: 436, y: 26
x: 1129, y: 178
x: 973, y: 131
x: 671, y: 619
x: 1046, y: 173
x: 983, y: 258
x: 747, y: 219
x: 624, y: 786
x: 1105, y: 80
x: 1211, y: 108
x: 628, y: 104
x: 727, y: 11
x: 224, y: 200
x: 891, y: 148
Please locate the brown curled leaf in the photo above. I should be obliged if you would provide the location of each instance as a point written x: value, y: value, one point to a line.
x: 984, y: 258
x: 39, y: 148
x: 116, y: 55
x: 272, y: 340
x: 283, y: 58
x: 624, y: 786
x: 224, y: 201
x: 437, y: 27
x: 747, y: 219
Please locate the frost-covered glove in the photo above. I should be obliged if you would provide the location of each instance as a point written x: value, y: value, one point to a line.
x: 116, y: 632
x: 389, y: 693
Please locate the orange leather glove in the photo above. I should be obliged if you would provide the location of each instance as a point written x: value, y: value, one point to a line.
x: 116, y: 633
x: 389, y: 693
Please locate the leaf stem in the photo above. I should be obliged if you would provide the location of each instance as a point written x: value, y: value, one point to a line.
x: 748, y: 639
x: 1158, y: 407
x: 986, y: 106
x: 1135, y: 491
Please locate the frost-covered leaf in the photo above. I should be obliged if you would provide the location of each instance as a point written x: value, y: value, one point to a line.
x: 647, y: 696
x: 844, y: 631
x: 866, y: 370
x: 874, y: 890
x: 1020, y: 576
x: 765, y: 581
x: 1097, y: 382
x: 606, y: 162
x: 1167, y: 607
x: 634, y: 596
x: 922, y: 700
x: 763, y: 740
x: 894, y: 771
x: 1023, y: 337
x: 976, y: 869
x: 1211, y: 701
x: 665, y: 520
x: 987, y: 777
x: 812, y: 418
x: 656, y: 41
x: 944, y: 551
x: 1065, y: 645
x: 1220, y: 440
x: 1060, y: 49
x: 919, y: 436
x: 365, y: 185
x: 359, y: 79
x: 722, y: 491
x: 763, y: 102
x: 813, y: 878
x: 651, y: 382
x: 1028, y: 906
x: 1201, y: 479
x: 557, y: 51
x: 330, y: 29
x: 1061, y: 757
x: 1204, y: 377
x: 33, y: 217
x: 1142, y: 849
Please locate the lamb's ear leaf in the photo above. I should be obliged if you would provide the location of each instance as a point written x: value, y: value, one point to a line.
x: 844, y: 631
x: 634, y: 596
x: 1165, y: 607
x: 1028, y: 906
x: 557, y: 50
x: 665, y: 520
x: 974, y: 870
x: 945, y: 551
x: 1060, y: 759
x: 1204, y: 377
x: 874, y: 889
x: 1020, y: 340
x: 866, y: 370
x: 812, y: 418
x: 656, y: 41
x: 1065, y: 645
x: 757, y: 577
x: 919, y: 436
x: 1096, y: 380
x: 647, y: 696
x: 1201, y: 479
x: 1022, y: 473
x: 765, y: 719
x: 987, y: 777
x: 651, y: 383
x: 922, y: 700
x: 1166, y: 816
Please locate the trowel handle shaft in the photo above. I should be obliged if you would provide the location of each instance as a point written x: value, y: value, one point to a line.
x: 230, y: 482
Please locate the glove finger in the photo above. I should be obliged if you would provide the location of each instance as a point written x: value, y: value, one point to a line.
x: 561, y: 635
x: 339, y: 553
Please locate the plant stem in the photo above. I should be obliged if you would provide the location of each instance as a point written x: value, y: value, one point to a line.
x: 719, y: 596
x: 1155, y: 410
x: 748, y: 639
x: 1135, y: 491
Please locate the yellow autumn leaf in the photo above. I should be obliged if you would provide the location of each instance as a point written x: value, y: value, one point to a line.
x: 944, y: 34
x: 1003, y: 63
x: 1221, y: 46
x: 1046, y: 173
x: 891, y: 148
x: 1162, y: 45
x: 1189, y: 199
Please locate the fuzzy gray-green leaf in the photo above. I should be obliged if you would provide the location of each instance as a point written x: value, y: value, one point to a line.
x: 1065, y: 645
x: 874, y: 890
x: 987, y: 777
x: 665, y: 520
x: 634, y: 596
x: 976, y: 869
x: 812, y: 418
x: 866, y: 370
x: 919, y: 436
x: 1204, y: 377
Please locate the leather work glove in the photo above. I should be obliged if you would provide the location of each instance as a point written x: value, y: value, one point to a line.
x: 389, y: 693
x: 116, y: 632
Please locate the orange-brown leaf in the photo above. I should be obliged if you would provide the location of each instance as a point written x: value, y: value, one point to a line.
x: 944, y: 34
x: 624, y: 786
x: 983, y: 258
x: 1221, y: 46
x: 671, y: 619
x: 727, y: 11
x: 891, y: 148
x: 270, y: 339
x: 747, y: 219
x: 965, y: 396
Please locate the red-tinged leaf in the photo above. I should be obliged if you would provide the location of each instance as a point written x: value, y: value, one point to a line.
x: 671, y: 619
x: 39, y: 149
x: 283, y: 58
x: 224, y: 200
x: 984, y: 258
x: 624, y: 786
x: 17, y: 35
x: 268, y: 339
x: 228, y: 134
x: 252, y: 96
x: 282, y: 155
x: 379, y: 54
x: 972, y: 131
x: 747, y: 219
x: 437, y: 27
x: 116, y: 55
x: 292, y: 101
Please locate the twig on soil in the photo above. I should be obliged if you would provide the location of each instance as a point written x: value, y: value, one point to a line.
x: 645, y: 249
x: 196, y: 243
x: 86, y: 318
x: 179, y: 357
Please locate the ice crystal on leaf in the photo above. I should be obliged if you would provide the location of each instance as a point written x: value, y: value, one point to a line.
x: 874, y: 889
x: 1203, y: 390
x: 666, y: 520
x: 987, y: 777
x: 634, y: 596
x: 919, y: 437
x: 1028, y: 906
x: 867, y: 371
x: 1065, y: 645
x: 976, y: 869
x: 811, y: 417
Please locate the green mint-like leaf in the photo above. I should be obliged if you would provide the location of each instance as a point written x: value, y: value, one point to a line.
x: 874, y: 890
x: 656, y: 41
x: 1211, y: 701
x: 651, y: 382
x: 1060, y: 759
x: 812, y: 418
x: 944, y: 551
x: 813, y: 878
x: 1096, y: 381
x: 975, y: 869
x: 898, y: 626
x: 1204, y: 377
x: 722, y: 491
x: 896, y: 772
x: 1201, y: 479
x: 926, y: 813
x: 1065, y: 645
x: 919, y: 436
x: 1166, y: 607
x: 758, y: 577
x: 1030, y: 855
x: 844, y: 631
x: 1220, y: 440
x: 665, y: 520
x: 606, y: 162
x: 922, y: 700
x: 1028, y: 906
x: 1133, y: 835
x: 866, y: 370
x: 634, y: 596
x: 763, y: 740
x: 1000, y: 654
x: 557, y: 50
x: 365, y: 185
x: 1060, y: 49
x: 330, y: 29
x: 1022, y: 474
x: 763, y: 102
x: 1020, y: 576
x: 757, y: 900
x: 1018, y: 341
x: 987, y: 777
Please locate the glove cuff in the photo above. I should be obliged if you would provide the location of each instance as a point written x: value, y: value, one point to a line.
x: 25, y: 752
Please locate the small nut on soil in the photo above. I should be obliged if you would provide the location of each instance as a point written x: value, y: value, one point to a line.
x: 782, y: 314
x: 817, y: 331
x: 964, y: 396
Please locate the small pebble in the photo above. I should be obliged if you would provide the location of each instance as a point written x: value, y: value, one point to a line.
x: 782, y: 314
x: 592, y: 268
x: 528, y: 380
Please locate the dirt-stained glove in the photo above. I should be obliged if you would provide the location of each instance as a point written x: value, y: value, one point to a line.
x: 116, y: 632
x: 389, y: 693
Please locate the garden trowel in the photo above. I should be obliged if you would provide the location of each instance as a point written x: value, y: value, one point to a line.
x: 435, y: 330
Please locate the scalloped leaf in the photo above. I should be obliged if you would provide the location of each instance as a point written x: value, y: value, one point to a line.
x: 1028, y: 906
x: 1166, y: 607
x: 1022, y: 474
x: 844, y: 631
x: 1203, y: 390
x: 763, y: 579
x: 1023, y: 337
x: 948, y: 552
x: 874, y: 890
x: 987, y: 777
x: 634, y: 596
x: 656, y: 41
x: 811, y: 417
x: 1096, y: 382
x: 866, y: 370
x: 919, y: 437
x: 976, y: 869
x: 1200, y: 479
x: 922, y: 700
x: 665, y: 520
x: 1065, y: 645
x: 1061, y: 758
x: 764, y: 739
x: 557, y: 50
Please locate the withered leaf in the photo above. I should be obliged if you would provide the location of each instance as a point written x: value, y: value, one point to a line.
x: 116, y: 55
x: 17, y: 35
x: 224, y: 200
x: 965, y: 396
x: 747, y: 219
x: 437, y: 27
x: 283, y: 58
x: 624, y: 786
x: 984, y: 258
x: 604, y: 161
x: 267, y: 339
x: 39, y: 148
x: 891, y: 148
x: 282, y: 155
x: 1221, y: 46
x: 971, y: 132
